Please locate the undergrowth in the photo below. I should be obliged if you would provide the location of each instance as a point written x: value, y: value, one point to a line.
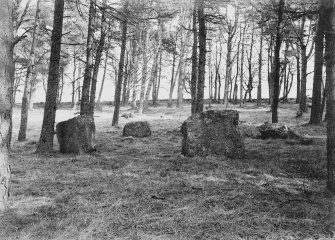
x: 144, y: 189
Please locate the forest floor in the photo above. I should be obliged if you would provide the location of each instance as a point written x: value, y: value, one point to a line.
x: 146, y: 190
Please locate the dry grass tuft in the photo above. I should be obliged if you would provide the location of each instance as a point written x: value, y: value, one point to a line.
x: 144, y: 189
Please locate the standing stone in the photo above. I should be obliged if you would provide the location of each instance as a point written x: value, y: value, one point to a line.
x: 213, y: 132
x: 138, y: 129
x: 76, y: 135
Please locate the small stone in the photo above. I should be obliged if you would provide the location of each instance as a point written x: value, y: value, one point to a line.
x: 138, y: 129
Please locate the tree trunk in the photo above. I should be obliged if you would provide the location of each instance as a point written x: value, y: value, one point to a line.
x: 117, y: 96
x: 61, y: 88
x: 154, y: 69
x: 103, y: 78
x: 33, y: 89
x: 125, y: 81
x: 85, y: 96
x: 172, y: 82
x: 30, y: 76
x: 242, y: 68
x: 180, y: 97
x: 298, y: 78
x: 260, y: 64
x: 228, y: 71
x: 202, y: 56
x: 194, y: 58
x: 303, y: 97
x: 134, y: 71
x: 277, y: 63
x: 210, y: 74
x: 144, y: 68
x: 6, y: 97
x: 98, y: 56
x: 316, y: 115
x: 45, y: 143
x: 330, y: 86
x: 158, y: 85
x: 73, y: 83
x: 77, y: 87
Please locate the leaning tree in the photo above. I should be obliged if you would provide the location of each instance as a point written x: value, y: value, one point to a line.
x: 6, y: 77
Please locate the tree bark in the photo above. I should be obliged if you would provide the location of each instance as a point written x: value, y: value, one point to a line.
x: 330, y: 88
x: 260, y: 65
x: 298, y: 77
x: 173, y: 81
x: 316, y: 116
x: 85, y: 108
x: 180, y: 95
x: 6, y: 97
x: 144, y: 68
x: 134, y: 71
x: 154, y: 69
x: 29, y: 78
x: 45, y: 143
x: 194, y: 57
x: 304, y: 59
x: 303, y: 97
x: 117, y: 96
x: 73, y: 83
x: 242, y: 67
x: 98, y: 56
x: 103, y: 77
x: 277, y: 63
x: 228, y: 70
x: 202, y: 56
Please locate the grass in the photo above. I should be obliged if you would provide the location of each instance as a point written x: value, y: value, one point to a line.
x: 144, y: 189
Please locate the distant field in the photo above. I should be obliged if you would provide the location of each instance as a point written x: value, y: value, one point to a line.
x: 145, y: 189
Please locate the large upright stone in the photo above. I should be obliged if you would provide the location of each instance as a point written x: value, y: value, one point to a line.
x: 213, y: 132
x: 76, y: 135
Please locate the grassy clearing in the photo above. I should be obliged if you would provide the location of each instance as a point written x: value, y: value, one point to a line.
x: 146, y: 190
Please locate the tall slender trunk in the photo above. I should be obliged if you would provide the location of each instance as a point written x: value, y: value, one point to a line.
x: 210, y: 75
x: 172, y: 82
x: 144, y: 68
x: 330, y: 88
x: 237, y: 71
x: 242, y: 68
x: 98, y: 56
x: 277, y: 63
x: 134, y: 72
x: 85, y: 108
x: 117, y: 96
x: 154, y: 69
x: 298, y: 77
x: 180, y: 95
x: 103, y: 78
x: 202, y: 56
x: 73, y: 83
x: 45, y: 143
x: 303, y: 97
x: 30, y: 76
x: 6, y: 97
x: 316, y: 115
x: 125, y: 81
x: 228, y: 71
x: 260, y: 64
x: 158, y: 85
x: 78, y: 87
